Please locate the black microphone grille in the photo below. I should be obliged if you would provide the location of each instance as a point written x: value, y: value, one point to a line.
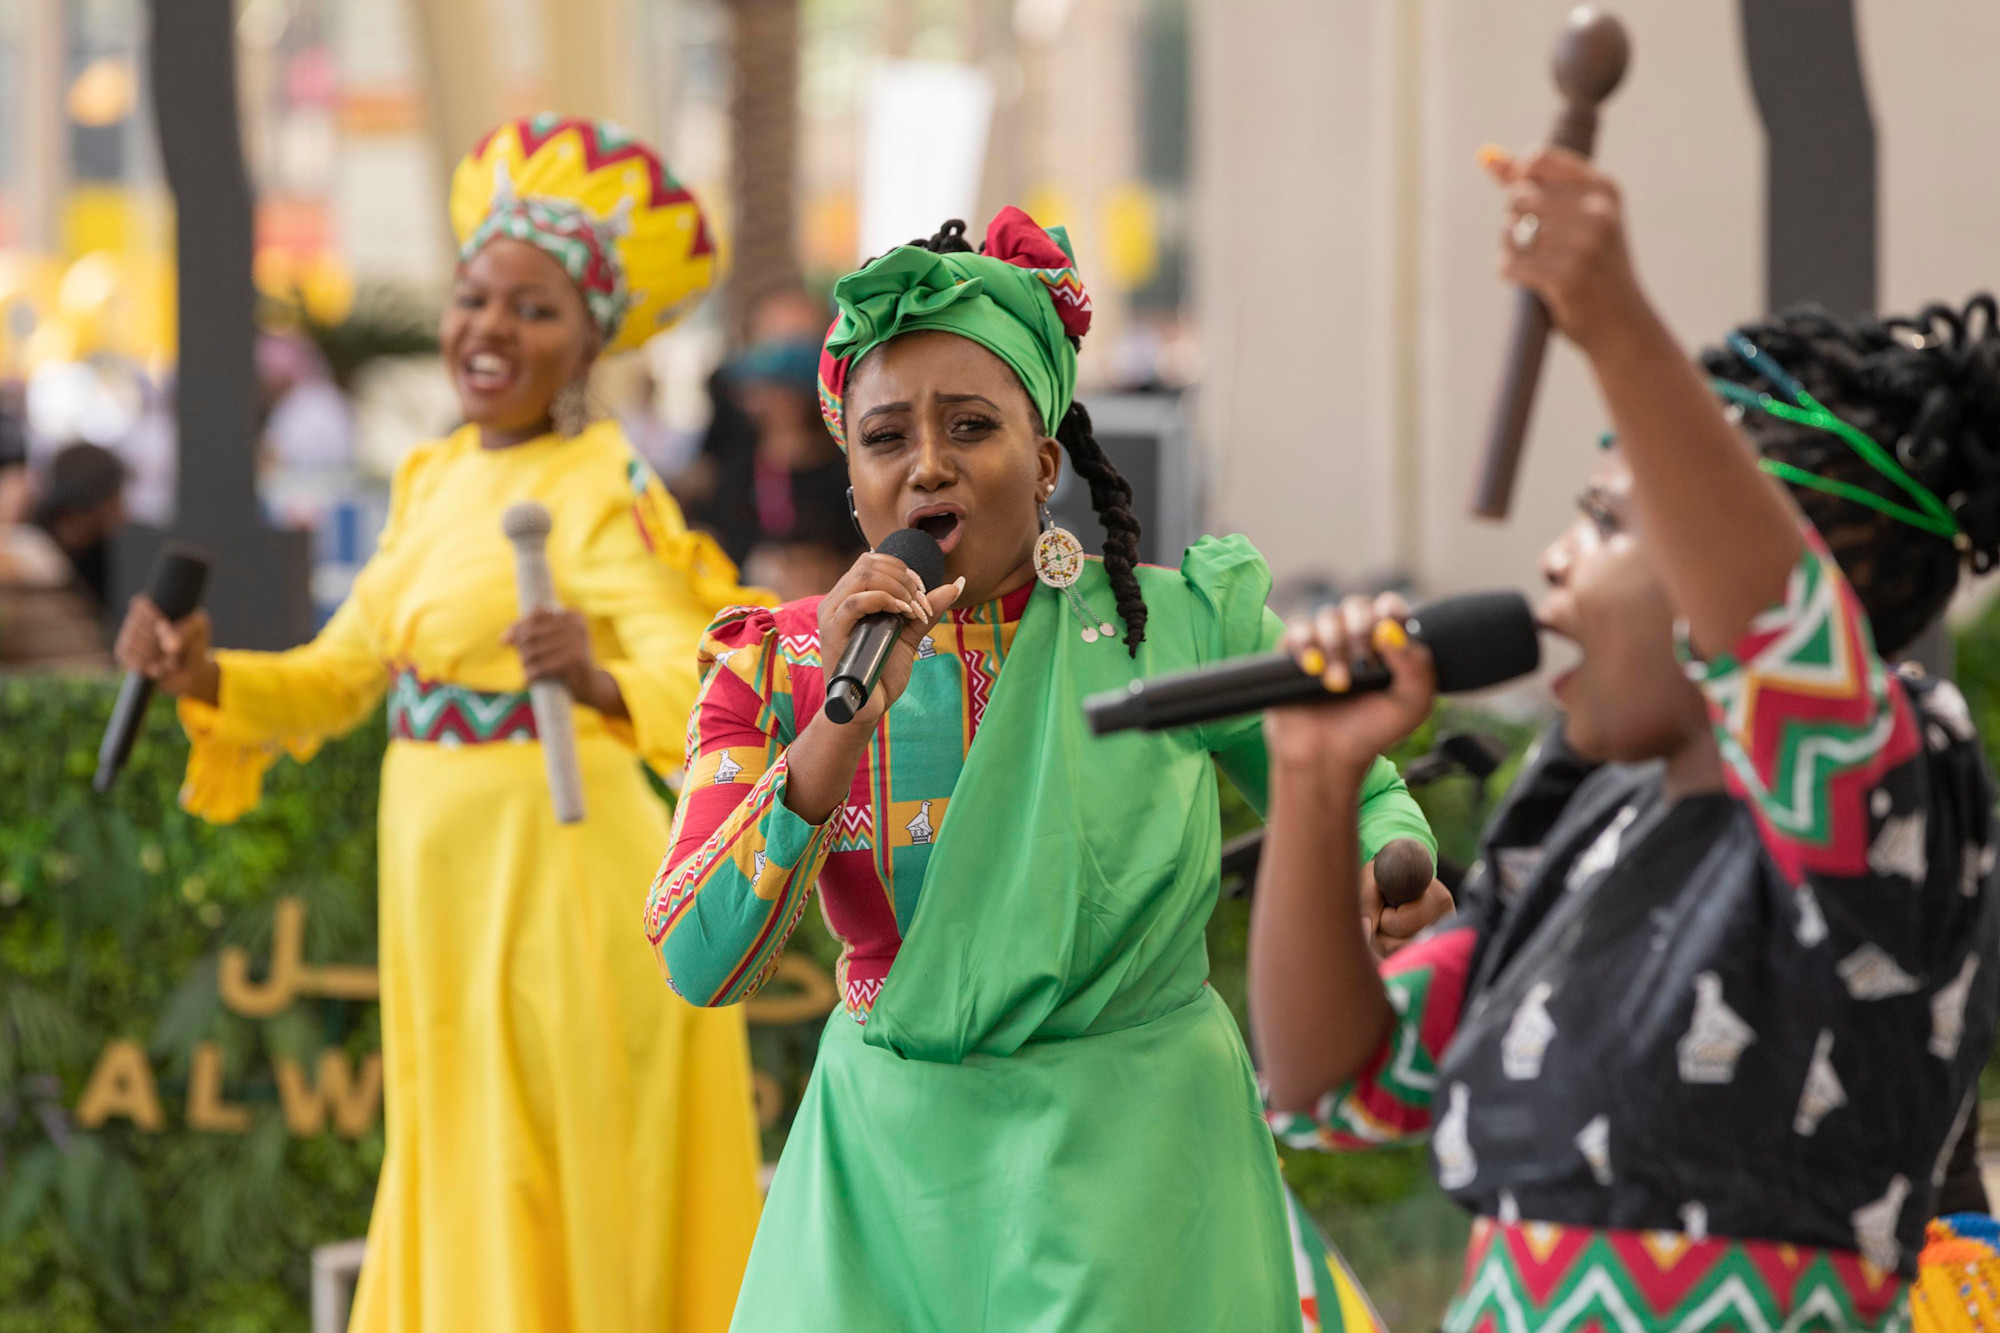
x: 1479, y: 639
x: 178, y: 577
x: 920, y: 551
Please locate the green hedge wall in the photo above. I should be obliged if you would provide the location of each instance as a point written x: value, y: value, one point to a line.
x: 112, y: 914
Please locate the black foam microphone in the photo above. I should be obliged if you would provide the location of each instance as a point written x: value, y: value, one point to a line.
x: 1477, y: 640
x: 853, y: 680
x: 178, y: 577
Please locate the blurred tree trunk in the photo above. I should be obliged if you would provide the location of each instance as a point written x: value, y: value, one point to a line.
x: 462, y: 97
x: 764, y: 111
x: 258, y: 590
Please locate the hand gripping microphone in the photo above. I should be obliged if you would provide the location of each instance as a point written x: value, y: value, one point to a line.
x: 178, y: 577
x: 527, y: 526
x: 848, y: 688
x: 1477, y: 640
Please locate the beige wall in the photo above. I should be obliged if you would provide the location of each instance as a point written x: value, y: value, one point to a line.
x: 1339, y: 193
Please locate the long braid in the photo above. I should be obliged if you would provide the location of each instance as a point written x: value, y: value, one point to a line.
x: 1926, y: 388
x: 1111, y: 498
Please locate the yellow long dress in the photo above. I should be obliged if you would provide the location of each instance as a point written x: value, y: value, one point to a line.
x: 570, y: 1147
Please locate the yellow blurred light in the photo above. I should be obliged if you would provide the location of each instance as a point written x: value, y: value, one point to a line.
x: 55, y: 340
x: 326, y: 288
x: 1050, y: 207
x: 1131, y: 236
x: 89, y: 286
x: 103, y: 94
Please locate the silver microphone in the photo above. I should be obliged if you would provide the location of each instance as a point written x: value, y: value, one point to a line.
x: 527, y: 526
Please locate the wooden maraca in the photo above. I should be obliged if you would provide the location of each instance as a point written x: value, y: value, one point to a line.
x: 1589, y: 61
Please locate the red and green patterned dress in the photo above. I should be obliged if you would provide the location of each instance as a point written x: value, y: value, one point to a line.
x: 1031, y: 1110
x: 1698, y: 1065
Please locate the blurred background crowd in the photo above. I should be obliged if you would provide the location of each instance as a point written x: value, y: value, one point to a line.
x: 811, y: 130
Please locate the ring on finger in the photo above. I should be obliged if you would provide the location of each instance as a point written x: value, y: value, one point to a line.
x: 1525, y: 229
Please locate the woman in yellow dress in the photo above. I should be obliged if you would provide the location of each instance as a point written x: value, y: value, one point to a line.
x: 569, y: 1147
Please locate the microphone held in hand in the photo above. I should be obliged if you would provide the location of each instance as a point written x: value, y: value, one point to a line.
x: 178, y: 578
x: 1477, y: 640
x: 527, y: 526
x: 867, y: 651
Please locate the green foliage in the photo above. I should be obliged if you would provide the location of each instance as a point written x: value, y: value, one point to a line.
x: 385, y: 321
x: 112, y: 913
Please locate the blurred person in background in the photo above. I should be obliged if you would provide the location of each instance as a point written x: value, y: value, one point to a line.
x: 82, y: 507
x: 46, y: 618
x: 308, y: 425
x: 794, y: 511
x: 718, y: 486
x: 570, y: 1149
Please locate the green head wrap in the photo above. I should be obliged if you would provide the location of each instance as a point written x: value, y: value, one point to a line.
x: 1021, y: 300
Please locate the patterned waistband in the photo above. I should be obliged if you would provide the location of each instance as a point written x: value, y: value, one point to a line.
x: 446, y: 714
x: 1536, y: 1275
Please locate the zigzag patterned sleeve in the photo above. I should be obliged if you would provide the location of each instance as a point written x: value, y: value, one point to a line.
x: 1389, y: 1101
x: 740, y: 865
x: 1810, y: 722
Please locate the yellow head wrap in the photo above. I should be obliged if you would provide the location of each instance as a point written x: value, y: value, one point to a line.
x: 603, y: 205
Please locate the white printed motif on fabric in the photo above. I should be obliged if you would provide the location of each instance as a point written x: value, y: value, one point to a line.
x: 1948, y: 1010
x: 1875, y: 1226
x: 920, y: 828
x: 727, y: 769
x: 1823, y: 1093
x: 1694, y: 1221
x: 1810, y: 931
x: 1871, y: 974
x: 1715, y: 1038
x: 925, y: 648
x: 1973, y: 868
x: 1515, y: 867
x: 1594, y: 1142
x: 1528, y: 1035
x: 1945, y: 705
x: 1899, y: 847
x: 1602, y: 854
x: 1452, y: 1145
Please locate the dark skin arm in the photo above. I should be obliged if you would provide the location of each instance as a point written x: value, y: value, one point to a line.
x: 1727, y: 536
x: 1317, y: 1004
x: 555, y: 645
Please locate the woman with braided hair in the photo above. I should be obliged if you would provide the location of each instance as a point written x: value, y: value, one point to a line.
x: 1698, y: 1048
x: 1030, y: 1110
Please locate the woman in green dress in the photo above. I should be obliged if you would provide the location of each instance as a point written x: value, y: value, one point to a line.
x: 1031, y: 1111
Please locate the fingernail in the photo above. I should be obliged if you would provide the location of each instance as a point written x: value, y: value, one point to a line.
x: 959, y: 583
x: 1312, y: 662
x: 1390, y: 637
x: 1335, y: 677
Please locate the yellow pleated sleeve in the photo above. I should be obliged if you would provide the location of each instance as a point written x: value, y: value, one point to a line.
x: 656, y: 585
x: 276, y: 703
x: 268, y: 704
